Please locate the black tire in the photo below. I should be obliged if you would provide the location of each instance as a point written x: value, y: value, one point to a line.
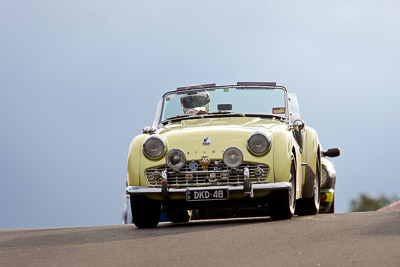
x: 332, y: 208
x: 284, y: 202
x: 177, y: 216
x: 310, y: 206
x: 145, y: 212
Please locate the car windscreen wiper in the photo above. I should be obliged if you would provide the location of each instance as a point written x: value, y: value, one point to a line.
x: 241, y: 114
x: 263, y: 115
x: 180, y: 117
x: 219, y: 114
x: 225, y: 113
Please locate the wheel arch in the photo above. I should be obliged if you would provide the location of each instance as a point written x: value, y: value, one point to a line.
x: 134, y: 160
x: 310, y: 167
x: 283, y: 149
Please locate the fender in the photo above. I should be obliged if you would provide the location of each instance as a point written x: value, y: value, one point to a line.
x: 284, y: 147
x: 311, y: 156
x: 282, y: 152
x: 134, y: 160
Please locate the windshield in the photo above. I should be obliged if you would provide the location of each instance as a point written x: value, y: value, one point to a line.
x: 224, y: 101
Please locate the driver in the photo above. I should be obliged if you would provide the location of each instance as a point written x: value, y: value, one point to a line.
x: 196, y: 102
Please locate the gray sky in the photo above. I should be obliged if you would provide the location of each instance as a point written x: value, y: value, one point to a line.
x: 79, y: 79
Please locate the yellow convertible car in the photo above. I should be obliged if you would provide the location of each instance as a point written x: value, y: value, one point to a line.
x: 237, y: 149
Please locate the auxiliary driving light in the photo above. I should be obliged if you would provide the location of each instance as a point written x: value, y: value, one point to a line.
x: 233, y: 157
x: 176, y: 159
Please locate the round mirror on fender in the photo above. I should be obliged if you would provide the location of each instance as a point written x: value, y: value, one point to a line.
x: 298, y: 125
x: 148, y: 130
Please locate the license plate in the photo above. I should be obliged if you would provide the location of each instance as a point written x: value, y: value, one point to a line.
x: 209, y: 194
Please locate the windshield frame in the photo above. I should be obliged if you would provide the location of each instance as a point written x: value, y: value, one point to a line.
x: 158, y: 118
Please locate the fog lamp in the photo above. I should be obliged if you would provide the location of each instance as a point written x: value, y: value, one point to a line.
x: 176, y: 159
x: 233, y: 157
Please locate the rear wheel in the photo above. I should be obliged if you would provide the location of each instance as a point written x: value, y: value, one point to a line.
x: 284, y: 202
x: 332, y: 208
x: 145, y: 212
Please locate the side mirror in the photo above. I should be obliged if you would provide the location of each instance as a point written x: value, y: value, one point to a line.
x: 331, y: 152
x: 298, y: 125
x: 148, y: 130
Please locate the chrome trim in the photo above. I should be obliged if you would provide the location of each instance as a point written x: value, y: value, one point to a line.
x: 202, y: 178
x: 157, y: 190
x: 204, y: 172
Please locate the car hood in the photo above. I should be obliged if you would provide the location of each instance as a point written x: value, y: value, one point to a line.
x: 211, y: 136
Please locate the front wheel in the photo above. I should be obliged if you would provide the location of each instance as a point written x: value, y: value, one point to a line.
x: 310, y: 206
x: 284, y: 202
x: 145, y: 212
x: 177, y: 216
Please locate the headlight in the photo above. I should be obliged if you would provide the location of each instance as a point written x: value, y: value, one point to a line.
x: 324, y: 177
x: 176, y: 159
x: 154, y: 147
x: 258, y: 143
x: 233, y: 157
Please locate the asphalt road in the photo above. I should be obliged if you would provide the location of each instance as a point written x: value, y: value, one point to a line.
x: 351, y: 239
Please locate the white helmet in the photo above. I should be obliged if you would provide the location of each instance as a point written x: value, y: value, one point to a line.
x: 195, y: 101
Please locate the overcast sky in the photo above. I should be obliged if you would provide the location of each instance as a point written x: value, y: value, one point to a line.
x: 79, y: 79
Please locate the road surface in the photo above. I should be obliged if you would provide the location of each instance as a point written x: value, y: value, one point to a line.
x: 350, y: 239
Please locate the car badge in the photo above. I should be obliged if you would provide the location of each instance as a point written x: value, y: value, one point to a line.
x: 189, y: 177
x: 217, y: 165
x: 213, y: 177
x: 207, y: 141
x: 193, y: 166
x: 205, y: 161
x: 224, y: 176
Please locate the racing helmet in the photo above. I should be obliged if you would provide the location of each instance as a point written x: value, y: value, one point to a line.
x: 195, y: 101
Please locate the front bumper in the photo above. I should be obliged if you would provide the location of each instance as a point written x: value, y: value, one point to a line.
x: 142, y: 190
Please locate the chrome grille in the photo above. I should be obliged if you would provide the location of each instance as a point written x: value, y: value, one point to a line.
x: 223, y: 175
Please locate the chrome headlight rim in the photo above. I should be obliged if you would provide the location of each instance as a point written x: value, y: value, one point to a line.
x: 182, y: 162
x: 161, y: 154
x: 225, y: 155
x: 268, y: 141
